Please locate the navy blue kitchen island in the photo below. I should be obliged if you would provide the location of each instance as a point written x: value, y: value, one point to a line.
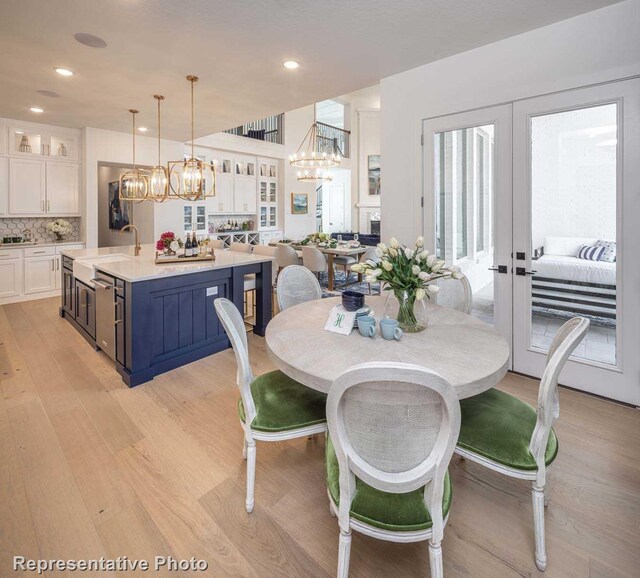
x: 153, y: 318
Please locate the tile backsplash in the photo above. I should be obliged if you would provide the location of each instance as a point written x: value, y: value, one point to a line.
x: 15, y: 227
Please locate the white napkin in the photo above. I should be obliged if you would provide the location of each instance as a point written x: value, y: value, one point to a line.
x: 340, y: 321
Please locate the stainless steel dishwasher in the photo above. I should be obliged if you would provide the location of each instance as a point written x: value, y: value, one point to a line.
x: 105, y: 316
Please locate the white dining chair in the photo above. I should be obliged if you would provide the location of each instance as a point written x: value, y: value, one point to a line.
x: 272, y: 406
x: 454, y: 293
x: 296, y: 284
x: 392, y: 431
x: 240, y: 247
x: 217, y: 244
x: 314, y: 260
x: 286, y: 255
x: 508, y: 436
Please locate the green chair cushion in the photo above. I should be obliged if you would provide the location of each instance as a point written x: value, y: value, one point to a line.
x: 498, y: 426
x: 394, y: 512
x: 284, y: 404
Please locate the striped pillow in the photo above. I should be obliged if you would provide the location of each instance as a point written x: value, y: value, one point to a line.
x: 591, y: 252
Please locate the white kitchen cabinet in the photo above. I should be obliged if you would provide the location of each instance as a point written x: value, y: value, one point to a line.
x: 63, y: 188
x: 10, y: 277
x: 27, y: 186
x: 4, y: 185
x: 39, y: 274
x: 223, y: 201
x: 245, y: 195
x: 3, y: 139
x: 30, y: 140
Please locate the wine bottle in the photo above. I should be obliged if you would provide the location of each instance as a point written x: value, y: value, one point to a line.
x: 187, y: 246
x: 194, y: 246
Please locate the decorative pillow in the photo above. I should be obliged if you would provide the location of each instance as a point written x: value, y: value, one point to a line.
x: 609, y: 254
x: 591, y: 252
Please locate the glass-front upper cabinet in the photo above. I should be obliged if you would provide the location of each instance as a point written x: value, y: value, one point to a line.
x: 32, y: 142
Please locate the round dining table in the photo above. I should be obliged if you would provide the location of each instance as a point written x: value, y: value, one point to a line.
x: 470, y: 354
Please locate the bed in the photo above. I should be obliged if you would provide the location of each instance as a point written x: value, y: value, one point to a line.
x: 563, y: 282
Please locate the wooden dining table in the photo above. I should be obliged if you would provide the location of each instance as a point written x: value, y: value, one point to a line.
x: 331, y: 253
x: 467, y: 352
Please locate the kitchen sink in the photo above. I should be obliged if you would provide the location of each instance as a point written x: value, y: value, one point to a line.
x: 84, y: 269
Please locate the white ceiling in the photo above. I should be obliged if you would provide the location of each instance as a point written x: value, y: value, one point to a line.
x: 237, y: 48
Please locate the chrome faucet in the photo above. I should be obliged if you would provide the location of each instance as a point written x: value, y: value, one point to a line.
x: 137, y: 248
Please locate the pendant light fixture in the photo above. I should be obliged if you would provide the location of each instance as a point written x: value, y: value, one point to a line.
x: 158, y: 175
x: 134, y: 184
x: 314, y: 165
x: 191, y: 179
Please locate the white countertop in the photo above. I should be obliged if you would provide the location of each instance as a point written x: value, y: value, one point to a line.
x: 144, y: 268
x: 39, y: 244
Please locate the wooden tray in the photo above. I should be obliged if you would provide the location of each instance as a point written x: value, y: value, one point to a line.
x: 160, y: 258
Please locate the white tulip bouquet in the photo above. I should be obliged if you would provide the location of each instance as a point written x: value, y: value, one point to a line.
x: 408, y: 272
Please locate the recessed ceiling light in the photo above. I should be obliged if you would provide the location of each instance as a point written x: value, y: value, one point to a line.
x: 143, y: 129
x: 36, y: 109
x: 90, y: 40
x: 48, y: 93
x: 64, y: 71
x: 291, y: 64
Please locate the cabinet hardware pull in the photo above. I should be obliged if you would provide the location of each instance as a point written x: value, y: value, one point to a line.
x: 42, y: 205
x: 53, y: 264
x: 48, y: 206
x: 118, y: 319
x: 38, y: 252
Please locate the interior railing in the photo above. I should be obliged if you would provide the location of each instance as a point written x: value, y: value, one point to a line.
x: 332, y: 139
x: 270, y: 129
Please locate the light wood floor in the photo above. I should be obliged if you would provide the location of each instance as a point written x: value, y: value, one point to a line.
x: 90, y: 468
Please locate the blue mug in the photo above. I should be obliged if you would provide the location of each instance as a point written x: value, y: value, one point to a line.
x: 389, y: 329
x: 367, y: 326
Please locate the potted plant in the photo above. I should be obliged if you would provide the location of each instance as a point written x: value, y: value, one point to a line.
x: 408, y: 273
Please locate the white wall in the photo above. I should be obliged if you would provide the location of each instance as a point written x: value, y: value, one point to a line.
x: 595, y: 47
x: 297, y: 123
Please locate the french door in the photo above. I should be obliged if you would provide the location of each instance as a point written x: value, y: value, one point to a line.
x: 576, y: 175
x: 467, y: 205
x: 512, y: 193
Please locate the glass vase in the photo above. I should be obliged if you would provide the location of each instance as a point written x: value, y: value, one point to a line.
x: 411, y: 313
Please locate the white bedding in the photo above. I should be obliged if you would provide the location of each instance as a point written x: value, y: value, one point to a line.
x: 574, y: 269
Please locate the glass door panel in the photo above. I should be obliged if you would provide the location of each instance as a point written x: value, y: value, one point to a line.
x: 463, y: 167
x: 573, y: 227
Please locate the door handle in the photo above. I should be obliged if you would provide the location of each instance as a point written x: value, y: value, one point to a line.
x: 522, y: 272
x: 499, y: 269
x: 53, y: 264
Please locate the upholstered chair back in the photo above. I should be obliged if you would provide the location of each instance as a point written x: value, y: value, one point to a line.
x: 296, y: 284
x: 217, y: 244
x: 454, y: 293
x: 268, y: 252
x: 314, y: 260
x: 286, y: 255
x: 394, y: 426
x: 369, y: 255
x: 240, y: 247
x: 564, y: 343
x: 233, y: 324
